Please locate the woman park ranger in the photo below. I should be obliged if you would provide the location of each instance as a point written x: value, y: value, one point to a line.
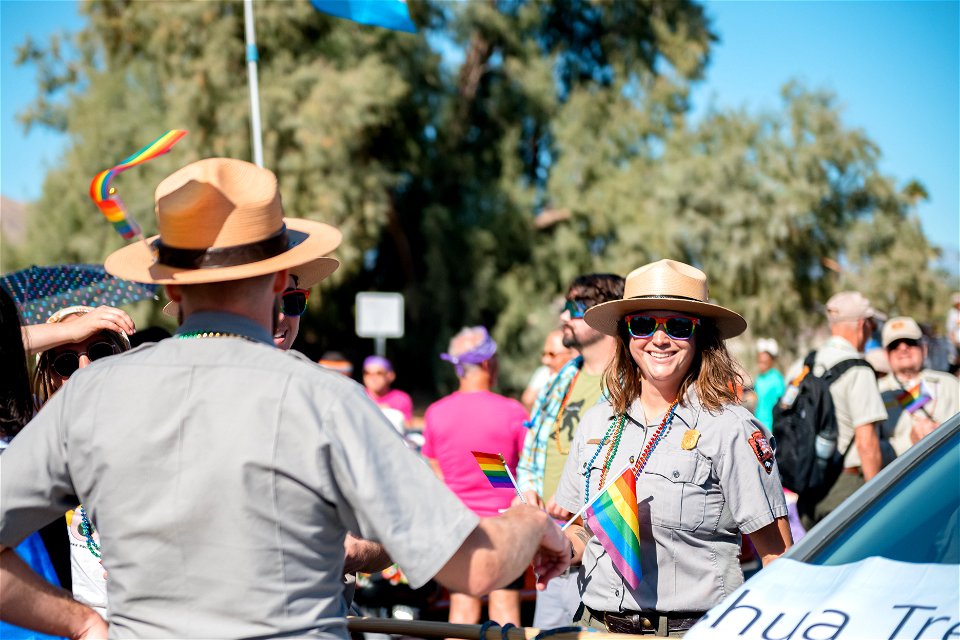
x: 704, y: 466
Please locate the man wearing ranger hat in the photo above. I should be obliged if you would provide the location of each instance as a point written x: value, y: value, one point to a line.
x: 223, y: 473
x: 917, y: 399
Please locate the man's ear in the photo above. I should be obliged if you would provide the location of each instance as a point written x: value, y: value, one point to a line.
x: 173, y: 292
x: 280, y: 281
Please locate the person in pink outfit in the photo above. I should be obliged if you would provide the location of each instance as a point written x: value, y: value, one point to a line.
x: 378, y: 376
x: 473, y: 418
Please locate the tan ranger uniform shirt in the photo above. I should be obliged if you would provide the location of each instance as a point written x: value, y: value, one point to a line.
x: 223, y: 475
x: 692, y: 504
x: 944, y: 390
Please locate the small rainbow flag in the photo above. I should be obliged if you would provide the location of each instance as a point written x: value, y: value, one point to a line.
x: 913, y: 399
x: 493, y: 466
x: 612, y: 517
x: 106, y: 198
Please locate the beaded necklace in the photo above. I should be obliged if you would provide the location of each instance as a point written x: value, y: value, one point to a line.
x: 563, y: 408
x: 209, y: 334
x: 87, y: 531
x: 616, y: 428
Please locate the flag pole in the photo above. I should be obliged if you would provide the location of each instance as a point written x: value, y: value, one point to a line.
x: 252, y: 57
x: 516, y: 487
x: 592, y: 500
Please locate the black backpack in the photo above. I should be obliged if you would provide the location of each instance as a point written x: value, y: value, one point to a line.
x: 796, y: 426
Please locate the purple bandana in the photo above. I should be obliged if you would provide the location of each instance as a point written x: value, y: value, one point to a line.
x: 480, y: 353
x: 377, y: 361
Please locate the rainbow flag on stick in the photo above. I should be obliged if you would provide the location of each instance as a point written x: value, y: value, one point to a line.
x: 495, y: 468
x: 106, y: 197
x: 913, y: 399
x: 612, y: 517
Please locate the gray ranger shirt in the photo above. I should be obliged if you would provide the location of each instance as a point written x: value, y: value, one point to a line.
x: 692, y: 504
x: 223, y: 475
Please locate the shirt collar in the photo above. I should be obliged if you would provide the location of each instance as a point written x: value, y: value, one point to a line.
x: 225, y: 322
x: 687, y: 413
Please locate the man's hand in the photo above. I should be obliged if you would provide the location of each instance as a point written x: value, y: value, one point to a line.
x: 922, y: 426
x: 532, y: 497
x: 96, y: 629
x: 553, y: 557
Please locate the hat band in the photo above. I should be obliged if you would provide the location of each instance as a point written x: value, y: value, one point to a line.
x: 658, y: 297
x: 216, y: 257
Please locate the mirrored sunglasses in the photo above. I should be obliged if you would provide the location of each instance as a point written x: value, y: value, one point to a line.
x: 676, y: 327
x: 67, y: 363
x: 294, y: 302
x: 576, y: 308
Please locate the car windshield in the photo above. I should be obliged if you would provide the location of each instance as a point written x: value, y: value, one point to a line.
x: 916, y: 520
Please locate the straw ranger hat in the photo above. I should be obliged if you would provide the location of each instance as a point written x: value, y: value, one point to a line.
x: 219, y: 220
x: 668, y: 285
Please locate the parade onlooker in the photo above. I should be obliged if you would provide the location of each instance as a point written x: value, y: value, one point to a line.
x: 856, y: 400
x: 378, y: 378
x: 917, y: 399
x: 246, y: 465
x: 55, y: 367
x: 474, y: 418
x: 769, y: 384
x: 555, y: 354
x: 674, y: 420
x: 556, y: 414
x: 953, y: 327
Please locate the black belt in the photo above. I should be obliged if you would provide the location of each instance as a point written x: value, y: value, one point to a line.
x: 646, y: 621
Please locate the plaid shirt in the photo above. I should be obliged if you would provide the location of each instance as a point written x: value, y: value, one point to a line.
x: 533, y: 458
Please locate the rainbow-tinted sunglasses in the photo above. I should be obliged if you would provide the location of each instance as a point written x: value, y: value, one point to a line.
x: 641, y: 325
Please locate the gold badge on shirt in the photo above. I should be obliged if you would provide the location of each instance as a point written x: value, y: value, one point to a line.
x: 690, y: 439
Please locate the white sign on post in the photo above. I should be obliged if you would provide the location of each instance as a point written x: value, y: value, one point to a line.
x: 379, y: 315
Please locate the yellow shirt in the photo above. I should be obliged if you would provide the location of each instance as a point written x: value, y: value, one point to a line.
x: 585, y: 393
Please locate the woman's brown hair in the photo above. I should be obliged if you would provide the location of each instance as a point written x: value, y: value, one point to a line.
x: 713, y: 370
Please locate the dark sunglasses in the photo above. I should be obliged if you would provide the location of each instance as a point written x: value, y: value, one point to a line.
x: 67, y: 363
x: 576, y: 308
x: 294, y: 302
x: 676, y: 327
x: 910, y: 342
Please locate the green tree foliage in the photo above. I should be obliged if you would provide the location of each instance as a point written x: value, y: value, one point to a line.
x: 481, y: 165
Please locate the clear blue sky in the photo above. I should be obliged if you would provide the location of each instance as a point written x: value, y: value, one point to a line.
x: 895, y: 67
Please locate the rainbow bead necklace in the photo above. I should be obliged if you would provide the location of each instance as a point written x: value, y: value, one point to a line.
x: 616, y: 429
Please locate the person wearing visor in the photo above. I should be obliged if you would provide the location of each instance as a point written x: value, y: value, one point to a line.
x: 917, y: 399
x: 474, y: 418
x: 705, y: 471
x: 555, y: 416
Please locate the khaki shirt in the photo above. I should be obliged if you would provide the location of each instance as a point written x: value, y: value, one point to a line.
x: 223, y: 475
x: 944, y: 390
x: 692, y: 505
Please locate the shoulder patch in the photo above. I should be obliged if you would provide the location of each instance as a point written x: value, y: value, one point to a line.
x: 761, y: 449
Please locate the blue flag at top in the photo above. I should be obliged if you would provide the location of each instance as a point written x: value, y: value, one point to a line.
x: 390, y: 14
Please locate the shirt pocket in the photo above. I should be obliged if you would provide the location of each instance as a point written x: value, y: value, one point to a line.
x: 674, y: 483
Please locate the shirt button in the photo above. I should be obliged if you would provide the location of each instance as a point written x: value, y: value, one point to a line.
x: 632, y: 459
x: 676, y: 474
x: 618, y: 592
x: 584, y: 465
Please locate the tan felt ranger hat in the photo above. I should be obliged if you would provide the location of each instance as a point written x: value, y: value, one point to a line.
x: 669, y: 285
x: 220, y: 220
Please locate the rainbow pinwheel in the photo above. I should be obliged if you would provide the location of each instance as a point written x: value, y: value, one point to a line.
x: 106, y: 197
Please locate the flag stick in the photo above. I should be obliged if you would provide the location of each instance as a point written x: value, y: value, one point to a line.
x: 252, y: 58
x: 594, y: 499
x: 516, y: 487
